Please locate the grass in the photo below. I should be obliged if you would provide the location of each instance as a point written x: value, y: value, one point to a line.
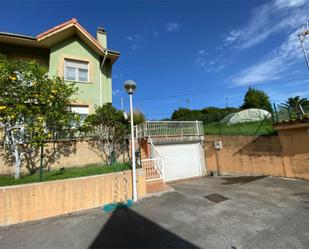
x: 65, y: 173
x: 248, y: 129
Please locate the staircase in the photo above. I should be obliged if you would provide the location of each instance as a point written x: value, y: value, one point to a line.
x: 152, y: 163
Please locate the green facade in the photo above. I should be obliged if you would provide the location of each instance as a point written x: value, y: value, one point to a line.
x: 89, y: 93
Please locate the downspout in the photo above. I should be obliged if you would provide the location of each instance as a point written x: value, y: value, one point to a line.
x: 101, y: 69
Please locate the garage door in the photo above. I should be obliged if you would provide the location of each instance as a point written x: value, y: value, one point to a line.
x: 180, y: 161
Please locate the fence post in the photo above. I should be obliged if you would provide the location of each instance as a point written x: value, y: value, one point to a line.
x: 275, y: 119
x: 162, y: 164
x: 197, y: 128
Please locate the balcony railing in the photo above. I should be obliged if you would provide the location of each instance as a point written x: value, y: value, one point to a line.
x: 170, y: 128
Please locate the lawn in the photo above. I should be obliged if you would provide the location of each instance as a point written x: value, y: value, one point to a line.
x: 65, y: 173
x: 249, y: 128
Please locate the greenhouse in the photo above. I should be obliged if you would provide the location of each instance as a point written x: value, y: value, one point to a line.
x: 248, y: 115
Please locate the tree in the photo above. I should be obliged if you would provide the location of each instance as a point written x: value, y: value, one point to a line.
x: 293, y: 106
x: 110, y: 128
x: 216, y: 114
x: 294, y: 102
x: 138, y: 117
x: 185, y: 114
x: 256, y: 99
x: 33, y: 106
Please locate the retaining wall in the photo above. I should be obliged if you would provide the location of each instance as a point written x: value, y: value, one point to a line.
x: 286, y: 156
x: 35, y: 201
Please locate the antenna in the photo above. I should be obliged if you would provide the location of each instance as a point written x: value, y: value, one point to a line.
x: 302, y: 37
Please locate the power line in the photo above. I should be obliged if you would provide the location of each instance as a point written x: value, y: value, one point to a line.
x: 208, y: 90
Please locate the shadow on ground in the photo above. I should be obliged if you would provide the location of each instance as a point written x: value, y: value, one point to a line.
x: 127, y: 229
x: 241, y: 179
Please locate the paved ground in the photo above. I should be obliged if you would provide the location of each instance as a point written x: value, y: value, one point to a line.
x: 259, y: 213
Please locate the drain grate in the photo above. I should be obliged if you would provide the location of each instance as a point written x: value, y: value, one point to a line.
x: 216, y: 198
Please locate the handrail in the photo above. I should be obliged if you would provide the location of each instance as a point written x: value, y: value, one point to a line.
x: 155, y: 149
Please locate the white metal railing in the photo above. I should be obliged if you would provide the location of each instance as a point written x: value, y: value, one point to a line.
x: 154, y: 166
x: 170, y: 128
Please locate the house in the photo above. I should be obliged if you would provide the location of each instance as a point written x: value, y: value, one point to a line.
x: 69, y: 51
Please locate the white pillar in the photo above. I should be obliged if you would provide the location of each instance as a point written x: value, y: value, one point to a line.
x: 133, y: 152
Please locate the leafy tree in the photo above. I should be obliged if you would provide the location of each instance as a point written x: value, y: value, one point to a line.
x: 185, y: 114
x: 33, y: 106
x: 138, y: 117
x: 208, y: 114
x: 256, y: 99
x: 215, y: 114
x: 110, y: 128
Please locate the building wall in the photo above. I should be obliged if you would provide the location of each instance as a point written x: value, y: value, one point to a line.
x: 35, y: 201
x: 285, y: 155
x: 89, y: 93
x: 27, y: 53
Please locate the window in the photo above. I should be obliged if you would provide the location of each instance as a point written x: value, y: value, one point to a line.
x: 76, y: 70
x: 82, y: 111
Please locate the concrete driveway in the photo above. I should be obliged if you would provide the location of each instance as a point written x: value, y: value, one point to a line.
x: 254, y: 212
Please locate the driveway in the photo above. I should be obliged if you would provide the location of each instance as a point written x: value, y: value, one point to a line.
x: 248, y: 212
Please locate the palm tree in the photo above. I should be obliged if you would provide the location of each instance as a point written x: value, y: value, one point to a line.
x: 294, y: 102
x: 294, y: 106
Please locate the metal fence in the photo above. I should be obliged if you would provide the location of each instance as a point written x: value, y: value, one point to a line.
x: 170, y: 128
x: 284, y: 113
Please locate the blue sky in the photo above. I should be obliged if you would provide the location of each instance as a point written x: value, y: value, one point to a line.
x: 186, y: 53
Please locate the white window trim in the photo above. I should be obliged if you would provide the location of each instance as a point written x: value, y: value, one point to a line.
x: 77, y: 71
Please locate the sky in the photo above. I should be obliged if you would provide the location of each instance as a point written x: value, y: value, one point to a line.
x: 189, y: 54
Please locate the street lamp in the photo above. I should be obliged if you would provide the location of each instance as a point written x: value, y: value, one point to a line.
x: 130, y: 87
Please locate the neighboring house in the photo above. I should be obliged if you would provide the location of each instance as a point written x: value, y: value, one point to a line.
x: 69, y: 51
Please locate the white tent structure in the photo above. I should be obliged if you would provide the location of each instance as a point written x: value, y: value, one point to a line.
x: 248, y: 115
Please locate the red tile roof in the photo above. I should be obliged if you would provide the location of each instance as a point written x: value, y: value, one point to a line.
x: 75, y: 23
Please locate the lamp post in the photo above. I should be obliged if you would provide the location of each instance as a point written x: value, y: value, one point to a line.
x: 130, y: 87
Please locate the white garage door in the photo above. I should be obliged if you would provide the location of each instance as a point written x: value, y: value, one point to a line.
x: 180, y: 161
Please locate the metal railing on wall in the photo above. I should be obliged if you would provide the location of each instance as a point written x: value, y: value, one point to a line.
x: 170, y: 128
x: 286, y: 113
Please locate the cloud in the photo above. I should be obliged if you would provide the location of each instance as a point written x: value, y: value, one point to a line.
x: 268, y: 19
x: 129, y: 38
x: 116, y: 92
x: 202, y: 52
x: 215, y: 63
x: 155, y: 33
x: 137, y: 37
x: 135, y: 40
x: 133, y: 47
x: 273, y: 66
x: 279, y: 97
x: 172, y: 26
x: 115, y: 76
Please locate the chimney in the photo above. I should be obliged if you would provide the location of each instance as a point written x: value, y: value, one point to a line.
x: 102, y: 37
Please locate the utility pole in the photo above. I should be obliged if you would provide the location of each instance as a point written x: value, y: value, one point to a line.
x: 226, y: 102
x: 188, y: 103
x: 302, y: 37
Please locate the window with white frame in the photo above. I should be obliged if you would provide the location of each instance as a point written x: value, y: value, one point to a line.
x: 82, y: 111
x: 75, y: 70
